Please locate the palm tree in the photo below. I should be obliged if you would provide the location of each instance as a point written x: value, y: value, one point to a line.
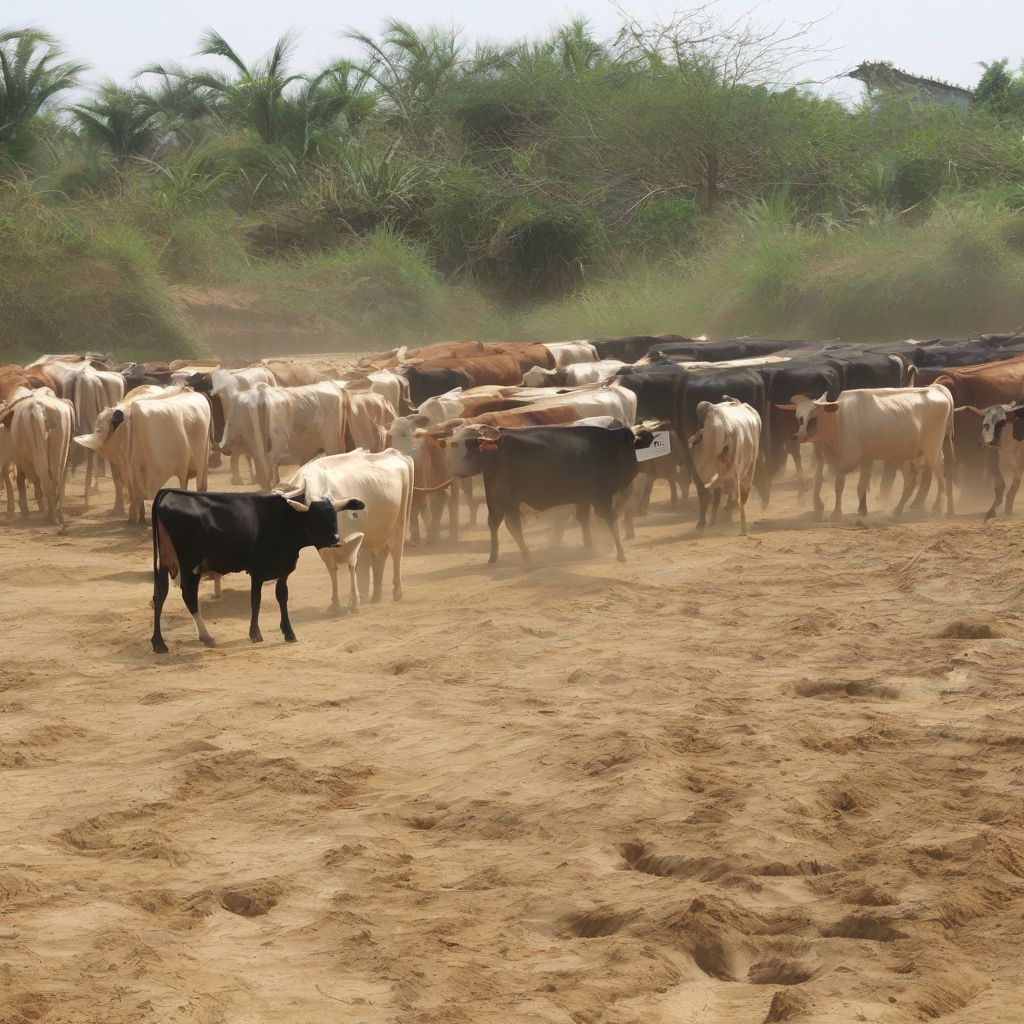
x: 255, y: 95
x: 411, y: 68
x: 121, y: 120
x: 31, y: 74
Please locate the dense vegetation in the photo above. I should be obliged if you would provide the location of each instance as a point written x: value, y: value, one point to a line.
x: 671, y: 178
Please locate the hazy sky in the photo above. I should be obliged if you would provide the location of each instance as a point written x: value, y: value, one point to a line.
x: 931, y: 39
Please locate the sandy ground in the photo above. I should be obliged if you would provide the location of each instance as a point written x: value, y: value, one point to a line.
x: 728, y: 781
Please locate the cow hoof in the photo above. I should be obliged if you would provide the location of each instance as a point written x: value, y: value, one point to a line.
x: 210, y: 642
x: 159, y: 648
x: 256, y: 638
x: 620, y: 558
x: 292, y: 639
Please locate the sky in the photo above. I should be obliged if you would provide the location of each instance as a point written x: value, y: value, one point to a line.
x: 926, y: 38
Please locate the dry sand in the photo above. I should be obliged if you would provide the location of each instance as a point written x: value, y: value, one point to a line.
x: 729, y: 781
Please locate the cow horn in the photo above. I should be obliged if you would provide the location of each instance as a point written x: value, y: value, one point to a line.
x: 293, y: 493
x: 297, y: 505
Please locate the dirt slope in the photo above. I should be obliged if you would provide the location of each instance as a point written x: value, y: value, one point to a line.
x: 729, y: 781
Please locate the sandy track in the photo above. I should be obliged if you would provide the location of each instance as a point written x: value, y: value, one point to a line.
x: 726, y: 782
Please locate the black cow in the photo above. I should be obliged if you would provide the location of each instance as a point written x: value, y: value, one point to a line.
x: 544, y: 467
x: 739, y: 382
x: 630, y: 349
x: 261, y: 534
x: 424, y: 384
x: 654, y: 386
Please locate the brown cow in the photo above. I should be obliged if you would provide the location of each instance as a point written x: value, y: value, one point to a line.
x: 480, y: 370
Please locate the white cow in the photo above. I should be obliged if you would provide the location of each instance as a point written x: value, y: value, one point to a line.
x: 901, y: 425
x: 41, y: 426
x: 383, y: 481
x: 612, y: 400
x: 279, y: 425
x: 91, y: 391
x: 392, y: 386
x: 225, y: 385
x: 152, y: 435
x: 574, y: 375
x: 370, y: 416
x: 725, y: 451
x: 566, y: 353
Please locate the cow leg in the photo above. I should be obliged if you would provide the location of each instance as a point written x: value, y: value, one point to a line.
x: 627, y: 506
x: 115, y: 475
x: 190, y: 595
x: 453, y: 509
x: 744, y: 494
x: 88, y: 478
x: 940, y: 471
x: 433, y: 514
x: 9, y: 488
x: 474, y: 504
x: 281, y: 593
x: 327, y: 556
x: 923, y: 488
x: 495, y: 517
x: 363, y: 573
x: 1011, y: 494
x: 673, y: 488
x: 840, y: 484
x: 22, y: 496
x: 583, y: 515
x: 1000, y: 489
x: 643, y: 505
x: 514, y: 521
x: 255, y: 597
x: 217, y: 578
x: 236, y: 476
x: 798, y: 466
x: 716, y: 500
x: 378, y: 560
x: 161, y: 583
x: 863, y: 483
x: 909, y: 479
x: 702, y: 497
x: 605, y: 511
x: 819, y: 475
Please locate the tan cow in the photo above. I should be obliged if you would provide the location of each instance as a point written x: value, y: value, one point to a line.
x: 725, y: 452
x: 41, y: 426
x: 152, y: 435
x: 281, y: 424
x: 369, y: 418
x: 383, y: 481
x: 900, y: 425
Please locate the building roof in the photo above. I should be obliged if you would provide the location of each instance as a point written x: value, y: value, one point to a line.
x: 883, y: 73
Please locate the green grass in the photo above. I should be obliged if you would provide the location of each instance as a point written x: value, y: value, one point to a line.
x: 959, y: 270
x: 70, y: 281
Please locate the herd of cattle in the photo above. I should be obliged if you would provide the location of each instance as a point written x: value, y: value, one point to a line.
x: 386, y: 445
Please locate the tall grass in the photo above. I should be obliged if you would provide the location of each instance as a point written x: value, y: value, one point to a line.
x: 957, y: 270
x: 70, y: 280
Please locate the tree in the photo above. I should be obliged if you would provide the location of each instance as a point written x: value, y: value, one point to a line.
x: 123, y: 121
x: 411, y: 69
x: 1000, y: 91
x: 32, y: 73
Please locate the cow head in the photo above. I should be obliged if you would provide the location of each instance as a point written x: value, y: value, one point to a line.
x: 994, y: 420
x: 466, y: 447
x: 107, y: 423
x: 323, y: 518
x: 811, y: 416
